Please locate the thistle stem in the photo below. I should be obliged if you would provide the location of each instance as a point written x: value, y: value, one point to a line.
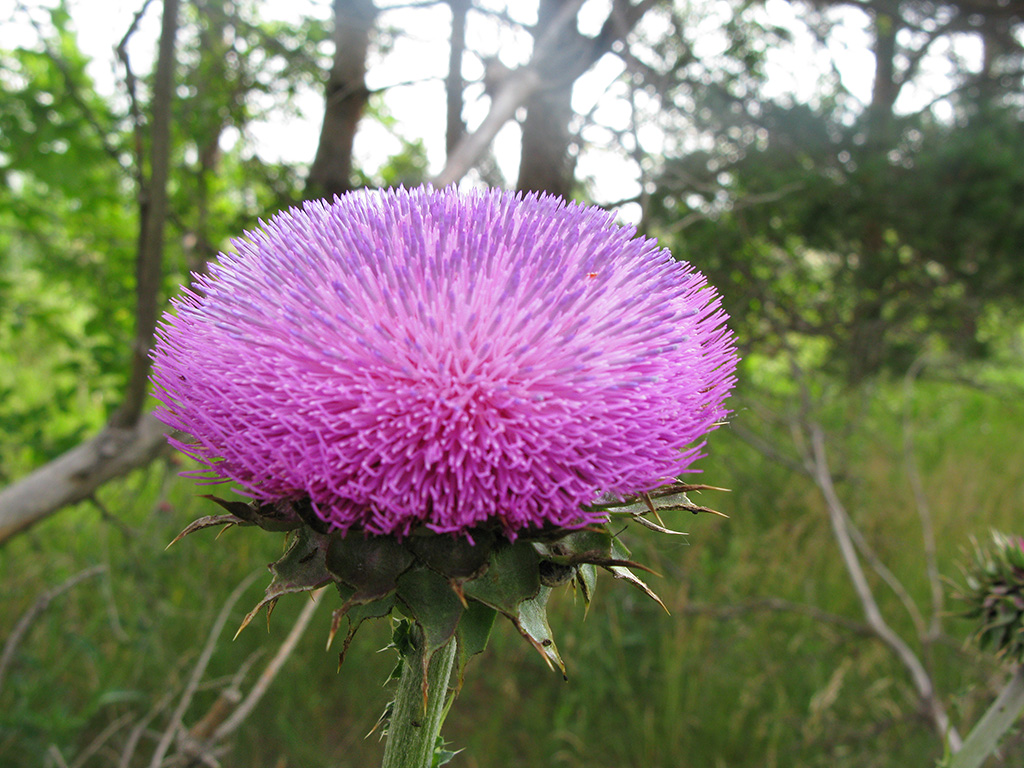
x: 413, y: 730
x: 984, y: 738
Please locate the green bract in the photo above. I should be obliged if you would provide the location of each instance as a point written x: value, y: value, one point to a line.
x: 446, y: 586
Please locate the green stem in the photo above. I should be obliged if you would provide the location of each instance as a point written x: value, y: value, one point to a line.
x: 1003, y: 713
x: 413, y: 731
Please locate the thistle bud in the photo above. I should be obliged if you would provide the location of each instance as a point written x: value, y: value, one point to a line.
x: 994, y: 594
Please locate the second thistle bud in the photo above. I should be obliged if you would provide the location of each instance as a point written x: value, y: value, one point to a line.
x: 994, y: 594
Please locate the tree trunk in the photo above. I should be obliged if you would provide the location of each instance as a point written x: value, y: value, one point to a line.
x: 152, y: 218
x: 545, y: 165
x: 874, y: 270
x: 455, y: 126
x: 346, y: 98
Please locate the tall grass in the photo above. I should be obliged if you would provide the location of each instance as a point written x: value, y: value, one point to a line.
x: 763, y: 661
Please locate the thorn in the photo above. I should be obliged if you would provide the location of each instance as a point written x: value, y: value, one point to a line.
x: 335, y: 623
x: 457, y: 589
x: 245, y: 622
x: 711, y: 511
x: 650, y: 504
x: 270, y: 610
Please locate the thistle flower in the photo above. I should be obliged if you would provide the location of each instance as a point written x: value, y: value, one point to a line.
x: 445, y: 359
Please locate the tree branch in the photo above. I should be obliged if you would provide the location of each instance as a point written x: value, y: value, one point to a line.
x: 526, y: 80
x: 455, y: 126
x: 273, y: 667
x: 75, y: 475
x: 921, y: 504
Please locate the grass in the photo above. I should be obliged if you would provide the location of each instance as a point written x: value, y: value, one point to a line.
x: 738, y: 676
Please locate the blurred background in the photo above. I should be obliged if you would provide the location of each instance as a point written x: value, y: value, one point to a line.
x: 848, y: 173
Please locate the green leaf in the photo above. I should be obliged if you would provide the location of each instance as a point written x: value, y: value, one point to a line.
x: 453, y: 556
x: 586, y: 579
x: 356, y: 615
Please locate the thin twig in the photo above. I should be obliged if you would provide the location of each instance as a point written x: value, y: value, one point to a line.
x: 102, y: 738
x: 174, y: 726
x: 110, y: 517
x: 517, y: 88
x: 33, y: 613
x: 153, y: 207
x: 838, y: 517
x: 113, y: 615
x: 273, y: 667
x: 53, y: 751
x: 140, y: 728
x: 777, y: 605
x: 766, y: 448
x: 131, y: 90
x: 888, y: 577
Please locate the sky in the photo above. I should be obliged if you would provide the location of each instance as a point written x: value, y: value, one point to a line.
x: 418, y: 106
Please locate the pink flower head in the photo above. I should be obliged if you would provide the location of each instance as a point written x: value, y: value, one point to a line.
x: 445, y: 358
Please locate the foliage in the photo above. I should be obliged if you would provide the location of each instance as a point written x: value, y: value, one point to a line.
x: 68, y: 228
x: 878, y: 232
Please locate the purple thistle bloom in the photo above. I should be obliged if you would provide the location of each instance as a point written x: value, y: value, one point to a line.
x: 445, y: 358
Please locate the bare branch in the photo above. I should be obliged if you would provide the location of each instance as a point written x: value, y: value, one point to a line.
x: 25, y: 622
x: 880, y: 568
x: 131, y: 90
x: 453, y: 85
x: 777, y: 605
x: 346, y: 96
x: 102, y: 738
x: 54, y: 753
x: 75, y: 475
x: 140, y: 727
x: 472, y: 146
x: 838, y: 517
x: 526, y: 80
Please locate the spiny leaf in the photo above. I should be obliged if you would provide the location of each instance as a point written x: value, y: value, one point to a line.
x: 656, y: 527
x: 511, y: 577
x: 300, y: 569
x: 532, y: 622
x: 430, y: 602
